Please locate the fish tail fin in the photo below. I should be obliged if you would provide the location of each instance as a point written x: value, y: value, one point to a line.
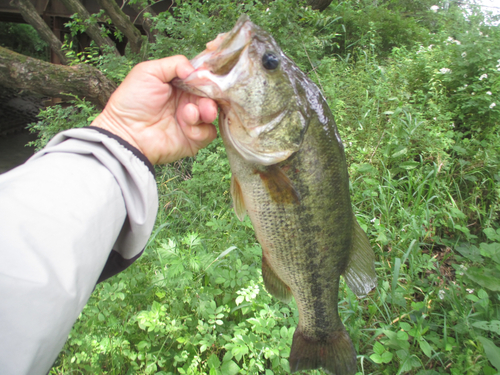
x: 360, y: 271
x: 335, y: 354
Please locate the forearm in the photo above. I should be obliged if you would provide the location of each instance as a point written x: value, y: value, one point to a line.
x: 61, y: 215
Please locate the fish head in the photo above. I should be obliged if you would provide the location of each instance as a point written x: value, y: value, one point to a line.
x: 258, y: 89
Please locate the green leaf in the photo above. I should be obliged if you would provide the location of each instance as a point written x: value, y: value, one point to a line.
x: 213, y: 361
x: 284, y: 332
x: 239, y: 300
x: 366, y: 168
x: 492, y: 351
x: 399, y: 153
x: 230, y: 368
x: 378, y: 348
x: 491, y: 250
x: 492, y: 234
x: 386, y: 357
x: 376, y: 358
x: 220, y: 280
x: 493, y: 326
x: 409, y: 165
x: 471, y: 252
x: 487, y: 278
x: 426, y: 348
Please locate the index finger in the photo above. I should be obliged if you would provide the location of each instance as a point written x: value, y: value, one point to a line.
x: 168, y: 68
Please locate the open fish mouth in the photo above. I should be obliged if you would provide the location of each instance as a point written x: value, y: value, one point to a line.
x: 214, y: 67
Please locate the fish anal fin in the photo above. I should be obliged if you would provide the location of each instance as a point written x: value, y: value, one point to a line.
x: 278, y: 185
x: 360, y: 271
x: 334, y: 353
x: 238, y: 202
x: 274, y: 285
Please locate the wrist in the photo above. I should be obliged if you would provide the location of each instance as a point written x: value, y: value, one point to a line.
x: 107, y: 122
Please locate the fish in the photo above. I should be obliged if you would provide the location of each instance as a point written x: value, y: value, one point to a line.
x: 289, y: 175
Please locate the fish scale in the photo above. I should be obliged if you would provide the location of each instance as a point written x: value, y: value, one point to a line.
x: 289, y: 174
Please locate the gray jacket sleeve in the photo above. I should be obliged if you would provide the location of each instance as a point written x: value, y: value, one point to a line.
x: 77, y: 212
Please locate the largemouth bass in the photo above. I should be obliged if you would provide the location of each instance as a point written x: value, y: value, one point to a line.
x: 289, y: 174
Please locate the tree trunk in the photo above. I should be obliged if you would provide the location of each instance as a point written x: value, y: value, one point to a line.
x: 31, y: 16
x: 320, y: 5
x: 146, y: 22
x: 92, y: 30
x: 123, y: 23
x: 25, y: 73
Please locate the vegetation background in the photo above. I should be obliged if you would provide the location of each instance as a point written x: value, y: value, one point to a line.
x: 416, y: 95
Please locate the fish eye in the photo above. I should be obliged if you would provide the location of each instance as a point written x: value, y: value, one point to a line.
x: 270, y: 61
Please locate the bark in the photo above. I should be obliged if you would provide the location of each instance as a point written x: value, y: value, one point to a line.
x: 32, y: 17
x: 320, y: 5
x: 92, y: 30
x: 146, y: 22
x: 123, y: 23
x: 37, y: 76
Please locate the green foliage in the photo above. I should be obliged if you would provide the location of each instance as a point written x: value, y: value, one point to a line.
x: 61, y: 117
x: 23, y: 39
x: 415, y: 110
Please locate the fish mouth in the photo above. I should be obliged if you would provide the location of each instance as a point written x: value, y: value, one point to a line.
x: 213, y: 72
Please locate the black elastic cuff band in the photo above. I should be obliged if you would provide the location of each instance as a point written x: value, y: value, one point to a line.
x: 128, y: 146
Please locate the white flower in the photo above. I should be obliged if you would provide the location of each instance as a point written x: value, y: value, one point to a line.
x: 441, y: 294
x: 450, y: 39
x: 473, y: 93
x: 492, y: 105
x: 434, y: 8
x: 488, y: 92
x: 457, y: 42
x: 464, y: 54
x: 480, y: 33
x: 373, y: 220
x: 470, y: 290
x: 463, y: 269
x: 483, y: 77
x: 445, y: 70
x: 466, y: 84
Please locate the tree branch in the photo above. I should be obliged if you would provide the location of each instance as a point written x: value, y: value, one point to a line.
x: 123, y: 23
x: 92, y: 30
x: 31, y: 16
x: 320, y: 5
x: 85, y: 81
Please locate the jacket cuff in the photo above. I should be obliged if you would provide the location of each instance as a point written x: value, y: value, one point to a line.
x: 135, y: 177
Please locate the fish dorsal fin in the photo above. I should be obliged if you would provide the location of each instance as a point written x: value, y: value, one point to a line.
x: 360, y: 272
x: 274, y: 285
x: 238, y: 202
x: 278, y: 185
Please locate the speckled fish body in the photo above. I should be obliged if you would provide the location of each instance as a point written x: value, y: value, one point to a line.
x: 289, y: 174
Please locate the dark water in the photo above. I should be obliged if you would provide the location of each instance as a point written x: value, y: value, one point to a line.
x: 13, y: 152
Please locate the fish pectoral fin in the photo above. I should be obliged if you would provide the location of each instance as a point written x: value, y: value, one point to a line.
x: 278, y: 185
x: 238, y: 202
x: 360, y: 271
x: 334, y: 353
x: 274, y: 285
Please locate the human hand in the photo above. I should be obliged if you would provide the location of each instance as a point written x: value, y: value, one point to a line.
x: 163, y: 122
